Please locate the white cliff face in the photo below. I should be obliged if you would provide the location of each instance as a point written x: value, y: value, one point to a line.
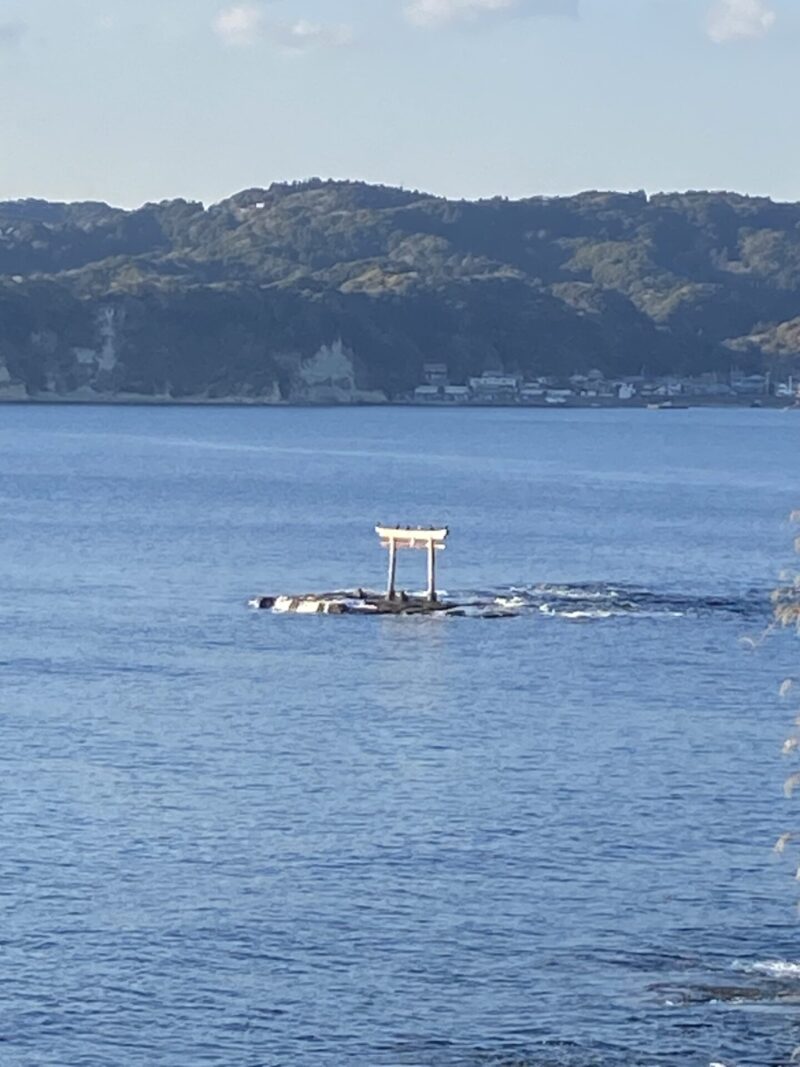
x: 103, y: 358
x: 273, y: 396
x: 329, y: 377
x: 108, y: 321
x: 332, y: 366
x: 105, y: 355
x: 9, y: 389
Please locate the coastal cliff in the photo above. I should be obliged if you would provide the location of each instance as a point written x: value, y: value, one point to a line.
x: 340, y: 292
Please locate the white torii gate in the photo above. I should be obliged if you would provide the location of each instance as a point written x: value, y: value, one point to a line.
x: 432, y: 541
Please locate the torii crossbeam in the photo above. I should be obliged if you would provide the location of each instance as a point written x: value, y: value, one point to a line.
x: 431, y: 540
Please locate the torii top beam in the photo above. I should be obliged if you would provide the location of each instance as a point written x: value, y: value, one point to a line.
x: 412, y: 536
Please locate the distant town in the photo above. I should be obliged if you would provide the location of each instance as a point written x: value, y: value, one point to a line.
x: 593, y: 388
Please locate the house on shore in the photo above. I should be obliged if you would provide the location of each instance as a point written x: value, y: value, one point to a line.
x: 427, y: 394
x: 435, y: 374
x: 492, y: 387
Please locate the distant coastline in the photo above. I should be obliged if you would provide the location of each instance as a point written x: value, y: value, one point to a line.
x: 578, y: 404
x: 321, y: 292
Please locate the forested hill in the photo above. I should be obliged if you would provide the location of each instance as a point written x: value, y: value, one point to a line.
x: 342, y: 290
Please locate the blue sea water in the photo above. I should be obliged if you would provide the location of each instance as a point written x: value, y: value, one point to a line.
x: 234, y: 838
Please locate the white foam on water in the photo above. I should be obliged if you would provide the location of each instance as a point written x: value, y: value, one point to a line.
x: 510, y: 601
x: 571, y: 592
x: 598, y: 614
x: 771, y: 968
x: 586, y: 613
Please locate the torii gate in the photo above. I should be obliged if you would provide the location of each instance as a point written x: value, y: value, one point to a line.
x: 394, y: 537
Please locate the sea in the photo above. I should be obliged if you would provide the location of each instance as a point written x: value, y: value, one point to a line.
x: 230, y: 838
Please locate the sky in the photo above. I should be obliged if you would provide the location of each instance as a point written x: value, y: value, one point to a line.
x: 130, y: 101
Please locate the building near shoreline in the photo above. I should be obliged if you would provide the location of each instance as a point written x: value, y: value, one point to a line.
x: 435, y: 374
x: 427, y: 394
x: 532, y: 392
x: 495, y: 387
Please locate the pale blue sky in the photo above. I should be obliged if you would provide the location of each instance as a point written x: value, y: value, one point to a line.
x: 134, y: 100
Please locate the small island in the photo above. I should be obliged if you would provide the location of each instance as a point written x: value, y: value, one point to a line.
x: 394, y: 601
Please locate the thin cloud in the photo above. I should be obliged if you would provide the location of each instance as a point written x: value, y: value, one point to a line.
x: 434, y: 14
x: 442, y: 12
x: 303, y: 35
x: 244, y: 25
x: 240, y: 25
x: 736, y: 20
